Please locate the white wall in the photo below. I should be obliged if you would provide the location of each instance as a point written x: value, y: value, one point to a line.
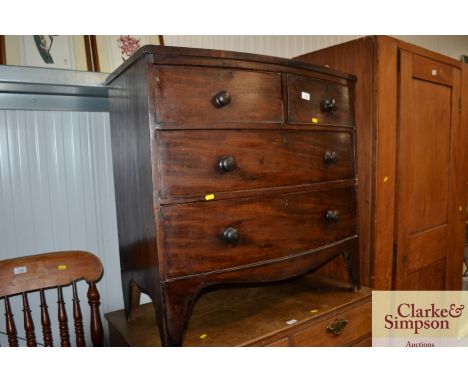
x: 57, y: 193
x: 291, y: 46
x: 280, y: 46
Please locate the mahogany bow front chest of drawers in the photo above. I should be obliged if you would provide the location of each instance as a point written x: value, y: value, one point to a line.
x: 228, y: 168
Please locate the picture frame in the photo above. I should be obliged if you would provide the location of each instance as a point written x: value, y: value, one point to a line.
x: 92, y: 57
x: 96, y: 53
x: 2, y: 50
x: 113, y: 50
x: 47, y: 51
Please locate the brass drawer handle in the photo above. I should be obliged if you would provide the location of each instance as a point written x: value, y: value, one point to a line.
x: 337, y: 327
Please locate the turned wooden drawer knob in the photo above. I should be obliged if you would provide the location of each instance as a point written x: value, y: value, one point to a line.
x: 222, y: 99
x: 329, y: 105
x: 330, y: 157
x: 231, y: 235
x: 332, y: 216
x: 227, y: 163
x: 337, y: 327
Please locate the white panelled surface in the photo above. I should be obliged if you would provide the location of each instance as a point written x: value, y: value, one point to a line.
x: 291, y: 46
x: 57, y: 193
x: 279, y: 46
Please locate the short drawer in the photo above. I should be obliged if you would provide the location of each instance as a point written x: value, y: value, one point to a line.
x: 202, y: 162
x: 317, y: 101
x: 207, y: 236
x: 202, y: 95
x: 358, y: 325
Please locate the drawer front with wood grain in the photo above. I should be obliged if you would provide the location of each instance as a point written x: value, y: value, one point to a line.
x: 232, y: 233
x: 203, y: 95
x: 317, y: 101
x: 345, y: 328
x: 202, y: 162
x: 283, y: 342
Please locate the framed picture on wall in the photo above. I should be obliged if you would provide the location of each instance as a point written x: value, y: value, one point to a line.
x: 78, y: 52
x: 112, y: 51
x: 46, y: 51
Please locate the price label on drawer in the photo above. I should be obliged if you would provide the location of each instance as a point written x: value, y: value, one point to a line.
x: 305, y: 95
x: 20, y: 270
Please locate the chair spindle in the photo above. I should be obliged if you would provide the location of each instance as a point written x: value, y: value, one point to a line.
x: 78, y: 318
x: 63, y: 320
x: 10, y: 325
x: 45, y: 321
x: 96, y: 324
x: 28, y: 323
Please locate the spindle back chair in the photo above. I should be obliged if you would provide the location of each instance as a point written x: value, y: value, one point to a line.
x: 22, y: 275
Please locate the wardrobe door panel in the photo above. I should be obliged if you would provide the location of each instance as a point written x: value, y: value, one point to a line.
x: 426, y: 197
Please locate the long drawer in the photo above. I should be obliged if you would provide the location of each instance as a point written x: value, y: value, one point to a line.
x: 201, y: 162
x: 202, y: 95
x: 207, y: 236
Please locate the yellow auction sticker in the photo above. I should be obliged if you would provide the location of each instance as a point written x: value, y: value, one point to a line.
x: 209, y: 197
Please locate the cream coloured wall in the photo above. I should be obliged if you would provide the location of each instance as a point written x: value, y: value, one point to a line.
x: 107, y: 61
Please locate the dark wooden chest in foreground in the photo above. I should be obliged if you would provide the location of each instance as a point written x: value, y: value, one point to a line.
x: 228, y: 168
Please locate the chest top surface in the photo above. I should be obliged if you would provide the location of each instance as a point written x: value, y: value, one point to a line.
x: 161, y: 54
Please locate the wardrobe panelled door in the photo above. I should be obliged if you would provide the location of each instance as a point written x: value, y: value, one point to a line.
x: 229, y: 168
x: 427, y: 123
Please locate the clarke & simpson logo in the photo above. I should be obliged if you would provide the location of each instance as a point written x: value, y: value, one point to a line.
x: 419, y: 318
x: 410, y: 317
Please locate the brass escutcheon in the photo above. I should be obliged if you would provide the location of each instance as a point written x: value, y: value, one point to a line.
x: 337, y: 327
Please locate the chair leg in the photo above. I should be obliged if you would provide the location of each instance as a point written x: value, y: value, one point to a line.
x: 97, y: 332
